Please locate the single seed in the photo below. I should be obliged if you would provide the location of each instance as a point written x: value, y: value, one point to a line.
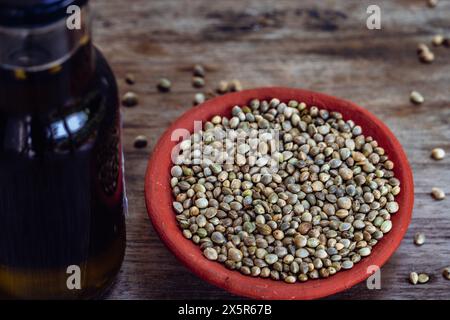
x: 235, y: 86
x: 130, y: 79
x: 416, y: 97
x: 140, y: 142
x: 130, y: 99
x: 438, y: 153
x: 199, y: 98
x: 437, y: 193
x: 422, y: 47
x: 176, y: 171
x: 413, y: 277
x: 199, y: 71
x: 271, y: 258
x: 201, y: 203
x: 446, y: 273
x: 432, y: 3
x: 423, y: 278
x: 198, y: 82
x: 223, y: 87
x: 419, y: 238
x: 426, y: 56
x: 164, y: 85
x: 210, y: 253
x: 322, y: 211
x: 438, y: 40
x: 235, y: 254
x: 446, y: 42
x: 386, y: 226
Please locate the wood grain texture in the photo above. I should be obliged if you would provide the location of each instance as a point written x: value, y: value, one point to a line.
x: 323, y: 46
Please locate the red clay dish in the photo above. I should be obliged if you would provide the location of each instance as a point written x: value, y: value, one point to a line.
x: 159, y: 199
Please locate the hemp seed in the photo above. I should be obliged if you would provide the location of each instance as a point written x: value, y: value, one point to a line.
x: 413, y: 278
x: 320, y: 210
x: 438, y: 153
x: 423, y: 278
x: 198, y: 82
x: 437, y: 194
x: 419, y: 238
x: 130, y: 99
x: 140, y: 142
x: 199, y: 98
x: 164, y: 85
x: 199, y: 71
x: 438, y: 40
x: 446, y: 273
x: 416, y: 97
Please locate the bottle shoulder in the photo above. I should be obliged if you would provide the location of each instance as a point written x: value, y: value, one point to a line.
x: 76, y: 125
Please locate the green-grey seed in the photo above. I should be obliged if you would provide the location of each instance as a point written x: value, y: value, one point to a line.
x: 201, y: 203
x: 423, y: 278
x: 176, y: 171
x: 249, y: 227
x: 386, y: 226
x: 446, y: 273
x: 419, y: 238
x: 130, y: 99
x: 313, y: 242
x: 164, y: 85
x: 392, y: 207
x: 271, y: 258
x: 416, y: 97
x: 210, y: 253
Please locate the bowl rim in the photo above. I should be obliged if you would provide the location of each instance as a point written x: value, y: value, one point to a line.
x: 160, y: 211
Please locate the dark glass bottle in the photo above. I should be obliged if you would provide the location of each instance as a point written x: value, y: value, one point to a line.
x: 62, y: 203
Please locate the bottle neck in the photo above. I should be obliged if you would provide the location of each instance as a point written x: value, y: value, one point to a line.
x: 45, y: 67
x: 42, y: 48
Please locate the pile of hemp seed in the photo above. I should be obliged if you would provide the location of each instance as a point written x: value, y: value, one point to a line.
x: 320, y: 210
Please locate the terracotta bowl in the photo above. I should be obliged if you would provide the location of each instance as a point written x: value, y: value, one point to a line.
x: 159, y: 200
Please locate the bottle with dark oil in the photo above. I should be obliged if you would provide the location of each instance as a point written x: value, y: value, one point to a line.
x: 62, y: 196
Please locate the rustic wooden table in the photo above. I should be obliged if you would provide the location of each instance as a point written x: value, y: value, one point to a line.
x: 323, y: 46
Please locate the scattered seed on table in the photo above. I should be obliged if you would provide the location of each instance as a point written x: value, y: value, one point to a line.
x: 130, y: 79
x: 424, y: 53
x: 432, y: 3
x: 446, y: 273
x: 130, y: 99
x: 422, y: 47
x: 438, y: 40
x: 235, y: 86
x: 419, y: 238
x: 199, y: 71
x: 423, y: 278
x: 164, y: 85
x: 199, y: 98
x: 223, y: 87
x: 140, y: 142
x: 438, y: 194
x: 413, y: 277
x: 438, y: 153
x: 416, y: 97
x: 426, y: 56
x: 198, y: 82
